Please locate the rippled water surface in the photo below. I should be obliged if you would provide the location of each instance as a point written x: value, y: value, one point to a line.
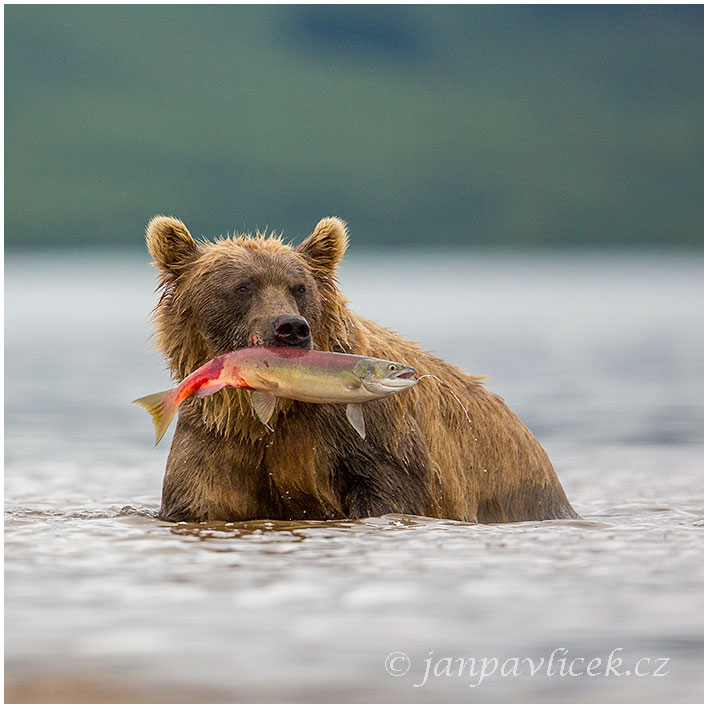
x: 600, y: 356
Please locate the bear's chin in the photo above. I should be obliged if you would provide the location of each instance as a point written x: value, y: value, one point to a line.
x: 257, y: 340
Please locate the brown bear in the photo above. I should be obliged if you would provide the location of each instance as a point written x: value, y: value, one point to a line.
x: 424, y: 453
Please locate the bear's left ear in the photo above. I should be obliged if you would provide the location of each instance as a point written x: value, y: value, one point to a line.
x: 170, y: 244
x: 324, y: 248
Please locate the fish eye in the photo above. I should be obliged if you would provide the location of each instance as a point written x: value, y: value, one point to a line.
x: 392, y: 368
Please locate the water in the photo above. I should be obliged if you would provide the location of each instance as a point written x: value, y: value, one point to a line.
x: 600, y: 356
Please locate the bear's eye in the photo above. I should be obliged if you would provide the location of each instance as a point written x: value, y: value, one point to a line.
x: 243, y: 289
x: 299, y: 290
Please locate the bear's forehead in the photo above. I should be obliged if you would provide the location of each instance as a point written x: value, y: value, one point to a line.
x: 264, y: 266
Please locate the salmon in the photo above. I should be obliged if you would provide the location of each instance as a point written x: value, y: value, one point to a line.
x: 288, y: 372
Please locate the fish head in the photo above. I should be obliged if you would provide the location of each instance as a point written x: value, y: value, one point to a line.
x: 380, y: 376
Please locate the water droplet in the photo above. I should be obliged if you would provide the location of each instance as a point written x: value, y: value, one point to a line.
x: 453, y: 394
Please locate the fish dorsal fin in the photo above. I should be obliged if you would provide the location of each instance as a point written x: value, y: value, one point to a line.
x: 356, y: 417
x: 264, y: 405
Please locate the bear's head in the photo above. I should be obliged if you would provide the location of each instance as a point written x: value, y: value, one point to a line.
x: 242, y: 291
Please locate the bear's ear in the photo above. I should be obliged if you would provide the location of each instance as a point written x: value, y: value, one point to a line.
x: 170, y: 244
x: 324, y: 248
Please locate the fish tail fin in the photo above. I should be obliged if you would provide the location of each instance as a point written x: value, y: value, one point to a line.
x: 162, y: 411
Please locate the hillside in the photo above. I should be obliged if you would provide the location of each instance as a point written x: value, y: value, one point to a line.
x: 478, y: 125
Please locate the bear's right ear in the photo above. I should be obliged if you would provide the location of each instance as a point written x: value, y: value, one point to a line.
x: 324, y: 248
x: 170, y: 244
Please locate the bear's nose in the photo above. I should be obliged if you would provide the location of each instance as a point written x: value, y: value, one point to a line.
x: 291, y: 330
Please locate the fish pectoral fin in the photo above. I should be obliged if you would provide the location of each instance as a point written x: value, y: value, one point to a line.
x: 209, y: 389
x: 356, y: 417
x: 353, y: 382
x: 264, y: 405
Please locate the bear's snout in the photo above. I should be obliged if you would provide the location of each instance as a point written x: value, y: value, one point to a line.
x: 291, y: 331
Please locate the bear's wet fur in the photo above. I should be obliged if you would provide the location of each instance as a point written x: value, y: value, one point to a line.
x: 421, y: 455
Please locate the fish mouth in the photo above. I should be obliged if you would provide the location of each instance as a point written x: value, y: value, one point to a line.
x: 401, y: 380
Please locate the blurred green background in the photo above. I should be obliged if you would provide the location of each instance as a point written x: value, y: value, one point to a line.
x: 476, y: 126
